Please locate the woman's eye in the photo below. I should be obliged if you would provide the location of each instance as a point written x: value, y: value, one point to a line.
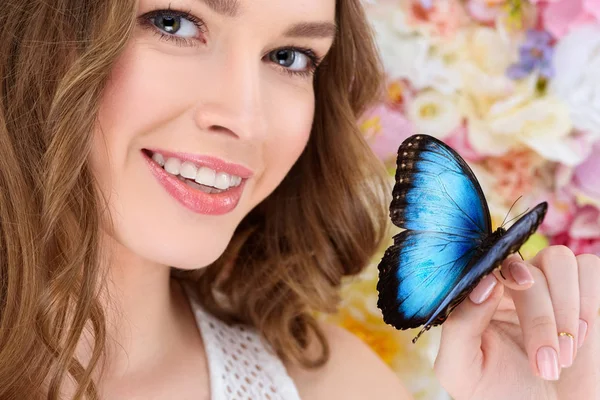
x: 175, y: 25
x: 295, y: 60
x: 180, y: 26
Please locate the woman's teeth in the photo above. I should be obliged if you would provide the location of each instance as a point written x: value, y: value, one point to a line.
x: 201, y: 175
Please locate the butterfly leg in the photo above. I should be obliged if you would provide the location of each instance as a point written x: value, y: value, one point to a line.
x: 500, y: 270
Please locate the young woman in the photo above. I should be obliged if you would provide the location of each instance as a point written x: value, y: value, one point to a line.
x: 183, y: 184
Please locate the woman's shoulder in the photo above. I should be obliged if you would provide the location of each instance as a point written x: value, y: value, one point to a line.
x: 354, y: 371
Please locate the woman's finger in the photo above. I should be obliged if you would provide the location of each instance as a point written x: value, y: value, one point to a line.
x: 559, y: 265
x: 460, y: 351
x: 589, y: 292
x: 536, y: 316
x: 514, y: 273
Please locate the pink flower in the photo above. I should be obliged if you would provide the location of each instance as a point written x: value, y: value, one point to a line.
x: 445, y: 16
x: 583, y: 235
x: 586, y: 176
x: 485, y: 11
x: 566, y: 223
x: 515, y: 173
x: 385, y: 129
x: 560, y: 214
x: 560, y: 16
x: 459, y: 141
x: 578, y: 246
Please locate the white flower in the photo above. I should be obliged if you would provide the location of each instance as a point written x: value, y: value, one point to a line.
x: 483, y: 55
x: 409, y: 53
x: 540, y: 123
x: 577, y: 79
x: 433, y: 113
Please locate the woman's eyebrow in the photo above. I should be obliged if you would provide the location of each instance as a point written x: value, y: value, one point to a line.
x: 228, y: 8
x: 312, y: 29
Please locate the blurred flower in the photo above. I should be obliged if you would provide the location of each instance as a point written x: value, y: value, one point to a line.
x: 441, y: 17
x: 516, y: 16
x: 534, y: 245
x: 560, y: 214
x: 482, y: 57
x: 586, y: 178
x: 385, y: 129
x: 541, y: 123
x: 459, y: 141
x: 398, y: 94
x: 570, y: 222
x: 485, y: 11
x: 577, y: 79
x: 535, y: 54
x: 433, y: 113
x: 409, y: 53
x: 582, y: 181
x: 583, y: 234
x: 561, y: 16
x: 514, y: 173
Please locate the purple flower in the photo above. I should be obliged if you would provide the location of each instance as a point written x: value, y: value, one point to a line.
x: 426, y: 4
x: 534, y: 54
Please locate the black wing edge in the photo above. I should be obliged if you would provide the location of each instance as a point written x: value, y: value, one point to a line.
x: 408, y: 156
x: 387, y: 286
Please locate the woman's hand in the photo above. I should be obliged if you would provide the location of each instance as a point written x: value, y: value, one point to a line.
x: 536, y: 335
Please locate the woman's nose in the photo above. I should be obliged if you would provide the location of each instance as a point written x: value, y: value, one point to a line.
x: 232, y: 100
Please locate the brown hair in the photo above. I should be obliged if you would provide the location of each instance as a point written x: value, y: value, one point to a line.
x: 286, y: 259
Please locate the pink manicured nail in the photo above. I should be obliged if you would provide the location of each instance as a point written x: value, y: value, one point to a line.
x: 482, y: 292
x: 583, y: 326
x: 567, y: 349
x: 520, y: 273
x: 547, y: 362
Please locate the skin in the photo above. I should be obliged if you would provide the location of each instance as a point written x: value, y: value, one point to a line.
x: 218, y: 93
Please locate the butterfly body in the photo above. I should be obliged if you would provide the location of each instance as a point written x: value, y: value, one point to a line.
x: 448, y: 245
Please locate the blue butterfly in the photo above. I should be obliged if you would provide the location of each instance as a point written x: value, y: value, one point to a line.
x: 448, y: 245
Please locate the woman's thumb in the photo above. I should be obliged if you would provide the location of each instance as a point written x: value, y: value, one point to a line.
x: 460, y: 358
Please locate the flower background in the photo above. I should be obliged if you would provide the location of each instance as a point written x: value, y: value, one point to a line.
x: 514, y: 87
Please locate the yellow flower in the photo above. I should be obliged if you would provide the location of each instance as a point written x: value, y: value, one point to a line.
x: 371, y: 127
x: 534, y: 245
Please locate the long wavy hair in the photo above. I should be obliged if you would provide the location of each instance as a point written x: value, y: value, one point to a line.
x: 286, y: 259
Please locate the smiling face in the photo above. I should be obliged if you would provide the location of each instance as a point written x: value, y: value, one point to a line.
x: 205, y: 113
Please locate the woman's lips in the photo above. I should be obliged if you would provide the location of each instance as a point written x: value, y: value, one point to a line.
x: 194, y: 199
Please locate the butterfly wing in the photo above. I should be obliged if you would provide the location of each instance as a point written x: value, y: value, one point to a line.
x: 417, y: 273
x: 501, y: 246
x: 439, y: 201
x: 436, y: 191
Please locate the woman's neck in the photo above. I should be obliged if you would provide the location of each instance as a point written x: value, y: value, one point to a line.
x: 146, y: 311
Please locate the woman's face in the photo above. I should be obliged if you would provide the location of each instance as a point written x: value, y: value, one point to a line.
x: 206, y: 111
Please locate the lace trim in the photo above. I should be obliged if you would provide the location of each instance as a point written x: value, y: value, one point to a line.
x: 242, y: 365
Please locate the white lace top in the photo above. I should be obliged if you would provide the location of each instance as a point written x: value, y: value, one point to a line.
x: 242, y: 366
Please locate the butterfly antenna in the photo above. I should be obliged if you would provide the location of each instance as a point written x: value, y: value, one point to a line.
x: 522, y: 258
x: 511, y: 207
x: 517, y: 217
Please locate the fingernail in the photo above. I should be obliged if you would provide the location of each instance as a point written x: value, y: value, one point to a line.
x: 482, y: 292
x: 547, y: 361
x: 567, y: 347
x: 583, y: 326
x: 520, y: 273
